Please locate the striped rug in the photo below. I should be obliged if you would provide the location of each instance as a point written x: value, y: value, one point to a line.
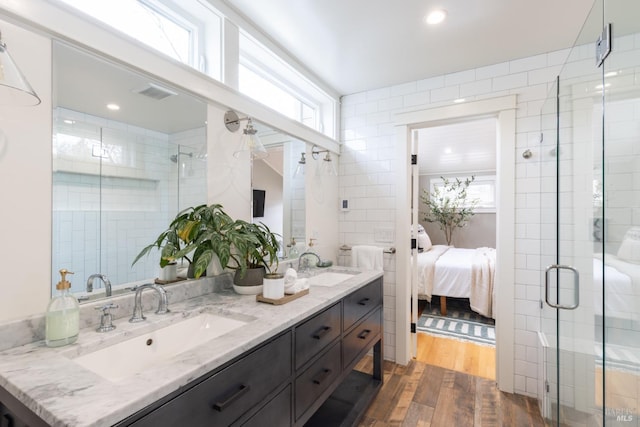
x: 460, y: 323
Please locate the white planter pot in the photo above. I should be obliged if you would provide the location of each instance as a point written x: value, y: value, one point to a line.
x: 169, y: 273
x: 273, y: 287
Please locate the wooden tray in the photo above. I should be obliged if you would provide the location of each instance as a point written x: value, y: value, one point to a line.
x: 285, y: 299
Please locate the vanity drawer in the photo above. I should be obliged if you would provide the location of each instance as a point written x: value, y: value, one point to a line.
x: 222, y: 398
x: 361, y: 302
x: 316, y: 333
x: 276, y: 413
x: 316, y: 379
x: 361, y: 336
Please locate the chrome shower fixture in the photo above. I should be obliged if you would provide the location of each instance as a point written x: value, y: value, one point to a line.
x: 174, y: 157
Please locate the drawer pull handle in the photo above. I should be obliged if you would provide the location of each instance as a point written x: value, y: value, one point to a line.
x: 242, y: 390
x: 322, y: 376
x: 363, y: 301
x: 364, y: 334
x: 9, y: 421
x: 321, y: 332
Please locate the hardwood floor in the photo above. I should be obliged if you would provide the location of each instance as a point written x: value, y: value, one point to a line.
x: 457, y: 356
x: 425, y: 395
x: 450, y: 383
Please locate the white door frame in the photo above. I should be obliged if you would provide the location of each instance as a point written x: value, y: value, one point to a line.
x: 504, y: 110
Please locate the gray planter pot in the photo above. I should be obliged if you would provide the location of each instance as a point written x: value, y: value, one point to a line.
x: 252, y: 277
x: 250, y: 283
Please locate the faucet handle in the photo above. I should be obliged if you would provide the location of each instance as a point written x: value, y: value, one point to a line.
x: 106, y: 307
x: 106, y: 320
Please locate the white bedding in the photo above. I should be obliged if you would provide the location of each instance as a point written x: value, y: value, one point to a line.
x: 622, y: 297
x: 458, y: 273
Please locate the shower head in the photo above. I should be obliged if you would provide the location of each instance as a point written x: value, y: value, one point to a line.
x: 174, y: 157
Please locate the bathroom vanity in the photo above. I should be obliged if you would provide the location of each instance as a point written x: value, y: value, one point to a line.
x: 291, y: 365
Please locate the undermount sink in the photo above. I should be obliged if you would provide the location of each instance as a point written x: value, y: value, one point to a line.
x: 134, y: 355
x: 329, y: 278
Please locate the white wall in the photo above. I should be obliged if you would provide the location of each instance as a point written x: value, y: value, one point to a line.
x: 321, y: 208
x: 25, y: 174
x: 265, y: 178
x: 368, y: 170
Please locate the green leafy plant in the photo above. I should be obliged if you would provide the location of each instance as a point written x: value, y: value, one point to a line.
x: 262, y: 250
x: 198, y: 233
x: 449, y: 205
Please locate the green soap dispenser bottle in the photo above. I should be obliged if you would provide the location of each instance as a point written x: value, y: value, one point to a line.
x: 63, y: 315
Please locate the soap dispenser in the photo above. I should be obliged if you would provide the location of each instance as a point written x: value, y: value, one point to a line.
x: 293, y: 252
x: 63, y: 315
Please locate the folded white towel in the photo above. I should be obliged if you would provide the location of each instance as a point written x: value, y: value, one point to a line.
x: 367, y: 257
x: 290, y: 277
x: 299, y: 285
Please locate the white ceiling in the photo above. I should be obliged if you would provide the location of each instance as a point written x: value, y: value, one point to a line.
x: 457, y: 148
x: 358, y: 45
x: 85, y: 83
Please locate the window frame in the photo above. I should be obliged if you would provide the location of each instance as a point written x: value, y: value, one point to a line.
x: 479, y: 180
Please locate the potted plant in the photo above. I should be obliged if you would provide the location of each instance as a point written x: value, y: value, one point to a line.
x: 198, y: 234
x: 260, y: 256
x: 449, y: 205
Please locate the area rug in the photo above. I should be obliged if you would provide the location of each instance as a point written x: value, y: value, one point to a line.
x: 461, y: 323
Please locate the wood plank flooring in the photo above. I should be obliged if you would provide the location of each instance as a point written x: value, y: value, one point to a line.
x: 425, y: 395
x: 469, y: 358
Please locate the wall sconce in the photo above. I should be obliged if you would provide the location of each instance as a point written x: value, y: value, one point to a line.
x: 249, y: 140
x: 300, y: 167
x: 14, y: 87
x: 327, y: 167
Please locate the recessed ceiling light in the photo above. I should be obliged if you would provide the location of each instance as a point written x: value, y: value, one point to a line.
x: 113, y: 107
x: 459, y: 100
x: 436, y: 17
x: 601, y: 86
x: 448, y: 150
x: 611, y: 74
x: 69, y: 122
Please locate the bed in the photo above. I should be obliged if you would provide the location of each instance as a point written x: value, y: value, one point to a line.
x: 460, y: 273
x: 622, y: 279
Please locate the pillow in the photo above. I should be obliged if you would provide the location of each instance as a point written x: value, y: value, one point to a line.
x: 424, y: 242
x: 630, y: 248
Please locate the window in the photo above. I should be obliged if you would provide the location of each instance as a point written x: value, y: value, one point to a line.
x: 268, y: 79
x: 163, y: 25
x: 483, y: 188
x: 268, y: 93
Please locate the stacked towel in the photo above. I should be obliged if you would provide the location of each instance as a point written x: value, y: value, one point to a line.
x: 293, y: 285
x: 290, y: 277
x: 367, y: 257
x: 299, y: 285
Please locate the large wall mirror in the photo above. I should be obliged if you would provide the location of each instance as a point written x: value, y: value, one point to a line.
x: 128, y: 153
x: 279, y: 188
x: 120, y: 176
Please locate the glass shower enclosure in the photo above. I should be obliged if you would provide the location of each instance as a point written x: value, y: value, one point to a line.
x: 590, y: 226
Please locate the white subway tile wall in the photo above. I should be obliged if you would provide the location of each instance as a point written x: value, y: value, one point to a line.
x: 368, y: 177
x: 104, y: 215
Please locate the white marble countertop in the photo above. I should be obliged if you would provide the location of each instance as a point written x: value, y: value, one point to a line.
x: 63, y: 393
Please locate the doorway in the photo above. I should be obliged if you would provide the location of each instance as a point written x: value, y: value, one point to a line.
x: 502, y: 109
x: 458, y: 320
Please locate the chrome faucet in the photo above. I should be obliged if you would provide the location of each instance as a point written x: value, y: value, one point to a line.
x: 305, y: 262
x: 163, y: 304
x: 107, y: 283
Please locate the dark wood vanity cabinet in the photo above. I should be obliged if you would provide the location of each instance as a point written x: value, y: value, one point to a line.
x: 225, y: 396
x: 302, y: 376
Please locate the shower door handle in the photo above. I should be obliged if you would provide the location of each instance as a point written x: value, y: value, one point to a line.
x: 576, y: 286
